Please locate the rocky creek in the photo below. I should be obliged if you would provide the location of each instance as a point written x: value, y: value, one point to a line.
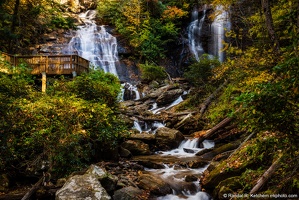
x: 166, y: 154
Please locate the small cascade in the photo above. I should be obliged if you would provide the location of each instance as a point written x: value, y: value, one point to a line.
x: 219, y: 27
x: 156, y: 110
x: 195, y: 32
x: 189, y: 148
x: 130, y: 92
x: 94, y: 44
x: 137, y: 126
x: 145, y: 127
x: 175, y: 175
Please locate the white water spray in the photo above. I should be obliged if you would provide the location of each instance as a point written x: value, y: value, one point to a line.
x: 95, y: 44
x: 194, y: 34
x: 219, y: 27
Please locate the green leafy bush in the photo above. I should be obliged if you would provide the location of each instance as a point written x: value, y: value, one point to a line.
x: 200, y: 72
x: 152, y: 72
x: 70, y: 126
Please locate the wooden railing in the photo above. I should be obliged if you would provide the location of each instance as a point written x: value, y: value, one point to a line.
x: 51, y: 64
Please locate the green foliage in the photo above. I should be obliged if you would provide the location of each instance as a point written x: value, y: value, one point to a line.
x: 200, y: 72
x: 62, y: 22
x: 70, y: 126
x: 268, y: 108
x: 97, y: 86
x: 149, y: 26
x: 152, y: 72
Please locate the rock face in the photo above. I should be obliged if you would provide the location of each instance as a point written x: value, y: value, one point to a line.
x: 168, y: 138
x: 154, y: 184
x: 169, y: 96
x: 86, y: 186
x: 137, y: 147
x: 128, y: 193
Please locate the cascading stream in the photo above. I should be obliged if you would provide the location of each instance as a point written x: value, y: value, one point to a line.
x: 94, y: 44
x: 194, y: 34
x: 218, y: 28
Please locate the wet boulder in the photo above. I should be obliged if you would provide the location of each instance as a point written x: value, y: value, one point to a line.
x: 136, y: 147
x: 154, y: 184
x: 128, y: 193
x: 143, y: 136
x: 169, y: 96
x: 86, y: 186
x: 168, y: 138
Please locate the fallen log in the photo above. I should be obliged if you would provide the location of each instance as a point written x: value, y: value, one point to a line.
x: 213, y: 130
x: 261, y: 182
x: 250, y: 136
x: 207, y: 102
x: 183, y: 121
x: 33, y: 189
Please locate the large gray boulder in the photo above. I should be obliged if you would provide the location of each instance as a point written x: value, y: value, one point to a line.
x: 84, y: 187
x: 168, y: 138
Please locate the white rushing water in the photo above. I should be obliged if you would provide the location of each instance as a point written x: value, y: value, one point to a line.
x: 195, y: 33
x: 94, y: 44
x: 175, y: 176
x: 147, y: 127
x: 219, y: 27
x: 189, y: 147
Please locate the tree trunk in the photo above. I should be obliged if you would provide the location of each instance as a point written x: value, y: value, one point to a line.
x: 14, y: 24
x: 260, y: 183
x: 211, y: 132
x: 207, y: 102
x: 33, y: 189
x: 269, y: 24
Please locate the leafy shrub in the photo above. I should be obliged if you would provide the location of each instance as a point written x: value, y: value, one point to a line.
x: 62, y: 22
x: 96, y: 86
x: 152, y: 72
x: 70, y: 126
x: 200, y: 72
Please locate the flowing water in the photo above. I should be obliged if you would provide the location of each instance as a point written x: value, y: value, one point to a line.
x: 220, y: 26
x: 194, y: 34
x: 175, y: 175
x: 98, y: 46
x: 95, y: 44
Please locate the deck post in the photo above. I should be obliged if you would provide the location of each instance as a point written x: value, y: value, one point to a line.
x: 44, y: 81
x: 74, y: 73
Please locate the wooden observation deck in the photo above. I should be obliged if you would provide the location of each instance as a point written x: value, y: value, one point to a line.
x: 50, y: 65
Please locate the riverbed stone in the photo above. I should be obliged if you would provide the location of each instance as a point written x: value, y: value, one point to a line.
x: 82, y: 187
x: 168, y: 138
x: 128, y: 193
x: 136, y: 147
x: 143, y: 137
x: 154, y: 184
x: 169, y: 96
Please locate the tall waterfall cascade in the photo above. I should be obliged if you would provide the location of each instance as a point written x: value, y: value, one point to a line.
x: 95, y: 44
x: 194, y: 34
x: 218, y: 28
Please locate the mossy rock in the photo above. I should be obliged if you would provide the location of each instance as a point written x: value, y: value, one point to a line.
x: 227, y: 186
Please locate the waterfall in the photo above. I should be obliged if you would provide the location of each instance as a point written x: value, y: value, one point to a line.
x: 219, y: 27
x: 194, y: 34
x: 189, y: 148
x: 94, y: 44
